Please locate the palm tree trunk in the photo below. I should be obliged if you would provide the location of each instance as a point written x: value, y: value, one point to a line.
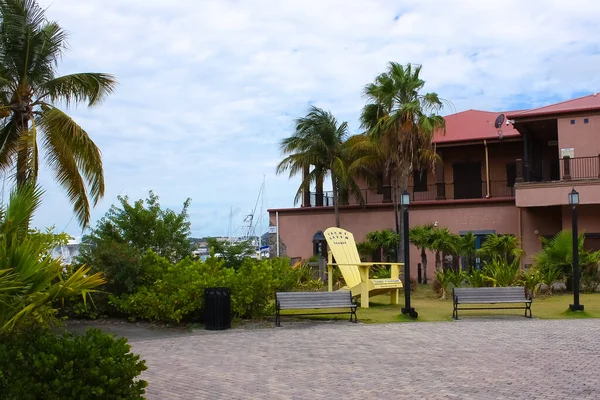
x: 424, y: 262
x: 336, y: 208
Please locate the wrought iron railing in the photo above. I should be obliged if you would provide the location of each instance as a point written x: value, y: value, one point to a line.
x: 439, y: 191
x: 566, y: 168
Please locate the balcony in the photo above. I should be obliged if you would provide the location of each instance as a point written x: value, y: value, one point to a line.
x: 535, y: 190
x: 563, y: 169
x: 439, y: 191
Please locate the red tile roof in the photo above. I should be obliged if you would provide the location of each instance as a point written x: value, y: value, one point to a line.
x: 474, y: 125
x: 586, y: 103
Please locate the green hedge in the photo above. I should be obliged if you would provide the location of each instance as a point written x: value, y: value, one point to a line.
x: 42, y: 365
x: 178, y: 294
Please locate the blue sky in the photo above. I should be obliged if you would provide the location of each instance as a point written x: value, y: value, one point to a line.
x: 209, y: 88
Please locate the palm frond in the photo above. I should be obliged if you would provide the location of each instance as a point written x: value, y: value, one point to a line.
x: 82, y: 87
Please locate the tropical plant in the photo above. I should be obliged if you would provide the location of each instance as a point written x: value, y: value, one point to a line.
x: 30, y: 280
x: 466, y: 249
x: 30, y: 89
x: 444, y: 279
x: 531, y: 279
x: 420, y: 236
x: 549, y: 275
x: 386, y: 241
x: 400, y: 123
x: 366, y: 249
x: 442, y: 241
x: 319, y: 140
x: 456, y: 277
x: 505, y: 247
x: 476, y: 278
x: 557, y: 253
x: 501, y: 272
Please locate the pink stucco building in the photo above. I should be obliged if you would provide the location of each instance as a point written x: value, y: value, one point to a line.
x: 513, y: 180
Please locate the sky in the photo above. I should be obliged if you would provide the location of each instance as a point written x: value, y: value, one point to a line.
x: 207, y: 89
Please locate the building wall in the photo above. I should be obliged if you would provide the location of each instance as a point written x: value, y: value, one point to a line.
x: 588, y: 218
x: 549, y: 194
x: 297, y: 227
x: 537, y: 222
x: 583, y: 138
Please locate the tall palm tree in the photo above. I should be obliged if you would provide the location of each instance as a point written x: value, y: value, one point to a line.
x: 318, y: 140
x: 401, y: 122
x: 30, y: 90
x: 421, y: 237
x: 442, y: 242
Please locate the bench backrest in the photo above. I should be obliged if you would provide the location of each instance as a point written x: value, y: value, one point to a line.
x: 343, y: 248
x: 338, y: 298
x: 491, y: 293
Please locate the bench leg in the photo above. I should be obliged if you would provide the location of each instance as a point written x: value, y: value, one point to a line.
x: 394, y: 296
x: 455, y: 311
x: 277, y: 318
x: 528, y: 308
x: 353, y: 313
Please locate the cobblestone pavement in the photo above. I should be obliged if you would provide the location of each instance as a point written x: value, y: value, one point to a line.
x: 477, y: 359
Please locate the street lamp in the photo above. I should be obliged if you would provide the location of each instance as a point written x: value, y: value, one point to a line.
x: 407, y: 309
x: 574, y: 201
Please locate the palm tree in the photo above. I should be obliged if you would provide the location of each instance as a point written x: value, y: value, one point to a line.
x: 466, y: 247
x: 319, y: 140
x: 401, y: 122
x: 505, y: 247
x: 420, y: 236
x: 30, y: 280
x: 442, y: 242
x: 30, y: 48
x: 386, y: 241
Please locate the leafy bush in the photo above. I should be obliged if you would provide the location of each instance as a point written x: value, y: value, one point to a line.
x: 590, y: 278
x: 40, y: 365
x: 443, y: 279
x: 501, y: 272
x: 178, y: 294
x: 531, y: 279
x: 476, y: 278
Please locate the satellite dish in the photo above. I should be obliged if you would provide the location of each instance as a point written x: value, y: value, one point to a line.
x: 499, y: 121
x: 500, y: 134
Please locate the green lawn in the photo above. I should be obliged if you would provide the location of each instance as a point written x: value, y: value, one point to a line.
x: 430, y: 308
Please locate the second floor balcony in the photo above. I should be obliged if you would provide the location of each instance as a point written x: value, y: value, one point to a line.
x: 563, y: 169
x: 436, y: 192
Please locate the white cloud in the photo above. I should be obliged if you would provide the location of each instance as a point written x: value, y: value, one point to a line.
x: 208, y: 88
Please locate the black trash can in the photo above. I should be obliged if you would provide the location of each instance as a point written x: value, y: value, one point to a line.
x: 217, y: 308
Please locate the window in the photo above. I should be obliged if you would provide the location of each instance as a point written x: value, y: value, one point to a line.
x: 420, y: 181
x: 511, y: 174
x: 586, y: 120
x: 572, y: 122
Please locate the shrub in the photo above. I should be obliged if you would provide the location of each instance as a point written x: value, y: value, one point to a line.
x: 531, y: 279
x: 178, y: 294
x: 443, y: 279
x: 40, y: 365
x: 476, y: 278
x: 501, y: 272
x: 590, y: 278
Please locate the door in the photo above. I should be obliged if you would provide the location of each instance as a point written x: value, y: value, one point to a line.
x: 467, y: 181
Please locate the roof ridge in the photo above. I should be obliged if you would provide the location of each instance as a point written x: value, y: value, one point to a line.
x: 563, y: 102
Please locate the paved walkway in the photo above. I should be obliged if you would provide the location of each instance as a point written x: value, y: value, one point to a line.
x: 489, y: 359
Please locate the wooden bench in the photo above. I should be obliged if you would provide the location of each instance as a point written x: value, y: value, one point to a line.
x: 314, y: 300
x: 491, y: 295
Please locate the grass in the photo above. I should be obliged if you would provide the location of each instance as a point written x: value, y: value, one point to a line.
x: 430, y: 308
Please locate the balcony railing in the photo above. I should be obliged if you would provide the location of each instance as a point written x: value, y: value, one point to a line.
x: 566, y: 168
x: 440, y: 191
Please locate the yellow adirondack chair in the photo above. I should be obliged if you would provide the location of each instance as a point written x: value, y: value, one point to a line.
x: 342, y: 248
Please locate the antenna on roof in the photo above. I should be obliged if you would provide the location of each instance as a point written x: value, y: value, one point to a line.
x: 499, y: 121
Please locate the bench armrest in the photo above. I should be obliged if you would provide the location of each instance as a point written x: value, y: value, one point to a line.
x: 395, y: 267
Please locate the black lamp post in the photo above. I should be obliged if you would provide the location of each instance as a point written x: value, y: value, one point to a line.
x: 574, y: 201
x: 407, y: 309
